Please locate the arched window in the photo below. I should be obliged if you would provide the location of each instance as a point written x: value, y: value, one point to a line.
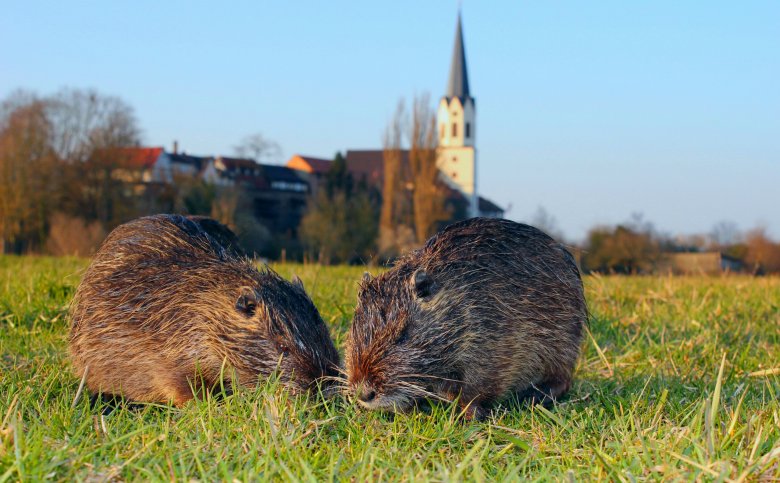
x: 468, y: 130
x: 454, y: 129
x: 442, y: 132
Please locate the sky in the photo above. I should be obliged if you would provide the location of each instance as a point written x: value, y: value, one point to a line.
x: 593, y: 110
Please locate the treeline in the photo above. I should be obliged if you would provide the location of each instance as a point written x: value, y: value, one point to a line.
x: 67, y: 178
x: 636, y: 247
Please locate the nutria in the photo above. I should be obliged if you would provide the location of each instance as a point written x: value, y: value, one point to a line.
x: 165, y: 310
x: 486, y: 310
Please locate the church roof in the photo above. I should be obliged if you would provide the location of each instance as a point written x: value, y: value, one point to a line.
x: 458, y: 85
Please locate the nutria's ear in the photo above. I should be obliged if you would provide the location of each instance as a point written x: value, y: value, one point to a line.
x: 247, y: 301
x: 422, y: 284
x: 296, y: 280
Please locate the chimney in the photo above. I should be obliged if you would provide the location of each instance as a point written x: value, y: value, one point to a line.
x: 175, y: 147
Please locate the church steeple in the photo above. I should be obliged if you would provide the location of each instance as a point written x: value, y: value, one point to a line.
x: 457, y: 111
x: 458, y: 85
x: 456, y: 118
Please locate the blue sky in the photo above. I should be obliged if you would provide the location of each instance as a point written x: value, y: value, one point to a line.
x: 593, y: 110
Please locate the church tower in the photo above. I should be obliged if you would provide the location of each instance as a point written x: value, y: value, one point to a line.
x: 456, y: 118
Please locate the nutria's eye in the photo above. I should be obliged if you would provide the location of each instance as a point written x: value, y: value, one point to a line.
x: 247, y: 302
x: 283, y: 349
x: 422, y: 284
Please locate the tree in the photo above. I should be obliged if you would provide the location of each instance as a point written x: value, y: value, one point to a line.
x: 85, y: 121
x: 258, y: 147
x: 394, y: 216
x: 26, y: 168
x: 90, y: 135
x: 725, y: 233
x: 341, y: 222
x: 428, y: 190
x: 413, y: 196
x: 762, y: 254
x: 622, y: 249
x: 64, y: 152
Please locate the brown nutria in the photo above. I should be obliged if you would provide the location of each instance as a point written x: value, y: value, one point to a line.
x: 164, y: 308
x: 487, y: 309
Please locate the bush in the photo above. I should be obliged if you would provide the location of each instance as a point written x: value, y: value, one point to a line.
x: 73, y: 236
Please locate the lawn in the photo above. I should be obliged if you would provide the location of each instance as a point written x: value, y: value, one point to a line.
x: 679, y: 380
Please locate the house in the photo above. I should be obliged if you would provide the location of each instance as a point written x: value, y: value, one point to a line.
x: 134, y: 164
x: 277, y: 194
x: 173, y: 165
x: 312, y: 169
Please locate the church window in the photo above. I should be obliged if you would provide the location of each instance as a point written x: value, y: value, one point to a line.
x: 442, y: 132
x: 468, y: 129
x: 454, y: 159
x: 454, y: 129
x: 454, y: 174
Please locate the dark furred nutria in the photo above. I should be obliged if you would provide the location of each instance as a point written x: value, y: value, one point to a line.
x: 485, y: 310
x: 165, y: 307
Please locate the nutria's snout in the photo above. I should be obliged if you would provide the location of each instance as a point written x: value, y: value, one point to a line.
x: 372, y: 395
x: 365, y: 394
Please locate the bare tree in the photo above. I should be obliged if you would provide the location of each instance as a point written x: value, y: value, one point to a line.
x: 91, y: 134
x: 258, y: 147
x: 546, y: 222
x: 413, y: 195
x: 395, y: 179
x: 725, y: 233
x: 429, y: 195
x: 85, y: 121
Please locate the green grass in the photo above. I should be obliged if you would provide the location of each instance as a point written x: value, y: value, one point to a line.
x: 680, y: 380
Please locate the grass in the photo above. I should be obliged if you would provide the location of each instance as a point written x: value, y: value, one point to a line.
x: 680, y: 379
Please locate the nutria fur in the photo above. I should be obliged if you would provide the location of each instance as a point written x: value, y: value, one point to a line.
x: 487, y: 309
x: 165, y: 308
x: 222, y: 234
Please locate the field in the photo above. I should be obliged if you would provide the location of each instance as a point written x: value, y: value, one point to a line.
x: 679, y: 380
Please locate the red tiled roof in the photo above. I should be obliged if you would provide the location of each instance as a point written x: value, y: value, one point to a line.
x: 139, y: 157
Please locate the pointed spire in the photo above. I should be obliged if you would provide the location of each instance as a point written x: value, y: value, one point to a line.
x: 458, y: 85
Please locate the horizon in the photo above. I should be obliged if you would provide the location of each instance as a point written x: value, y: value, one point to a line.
x: 592, y: 112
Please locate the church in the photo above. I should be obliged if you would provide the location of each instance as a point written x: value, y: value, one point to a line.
x: 456, y: 130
